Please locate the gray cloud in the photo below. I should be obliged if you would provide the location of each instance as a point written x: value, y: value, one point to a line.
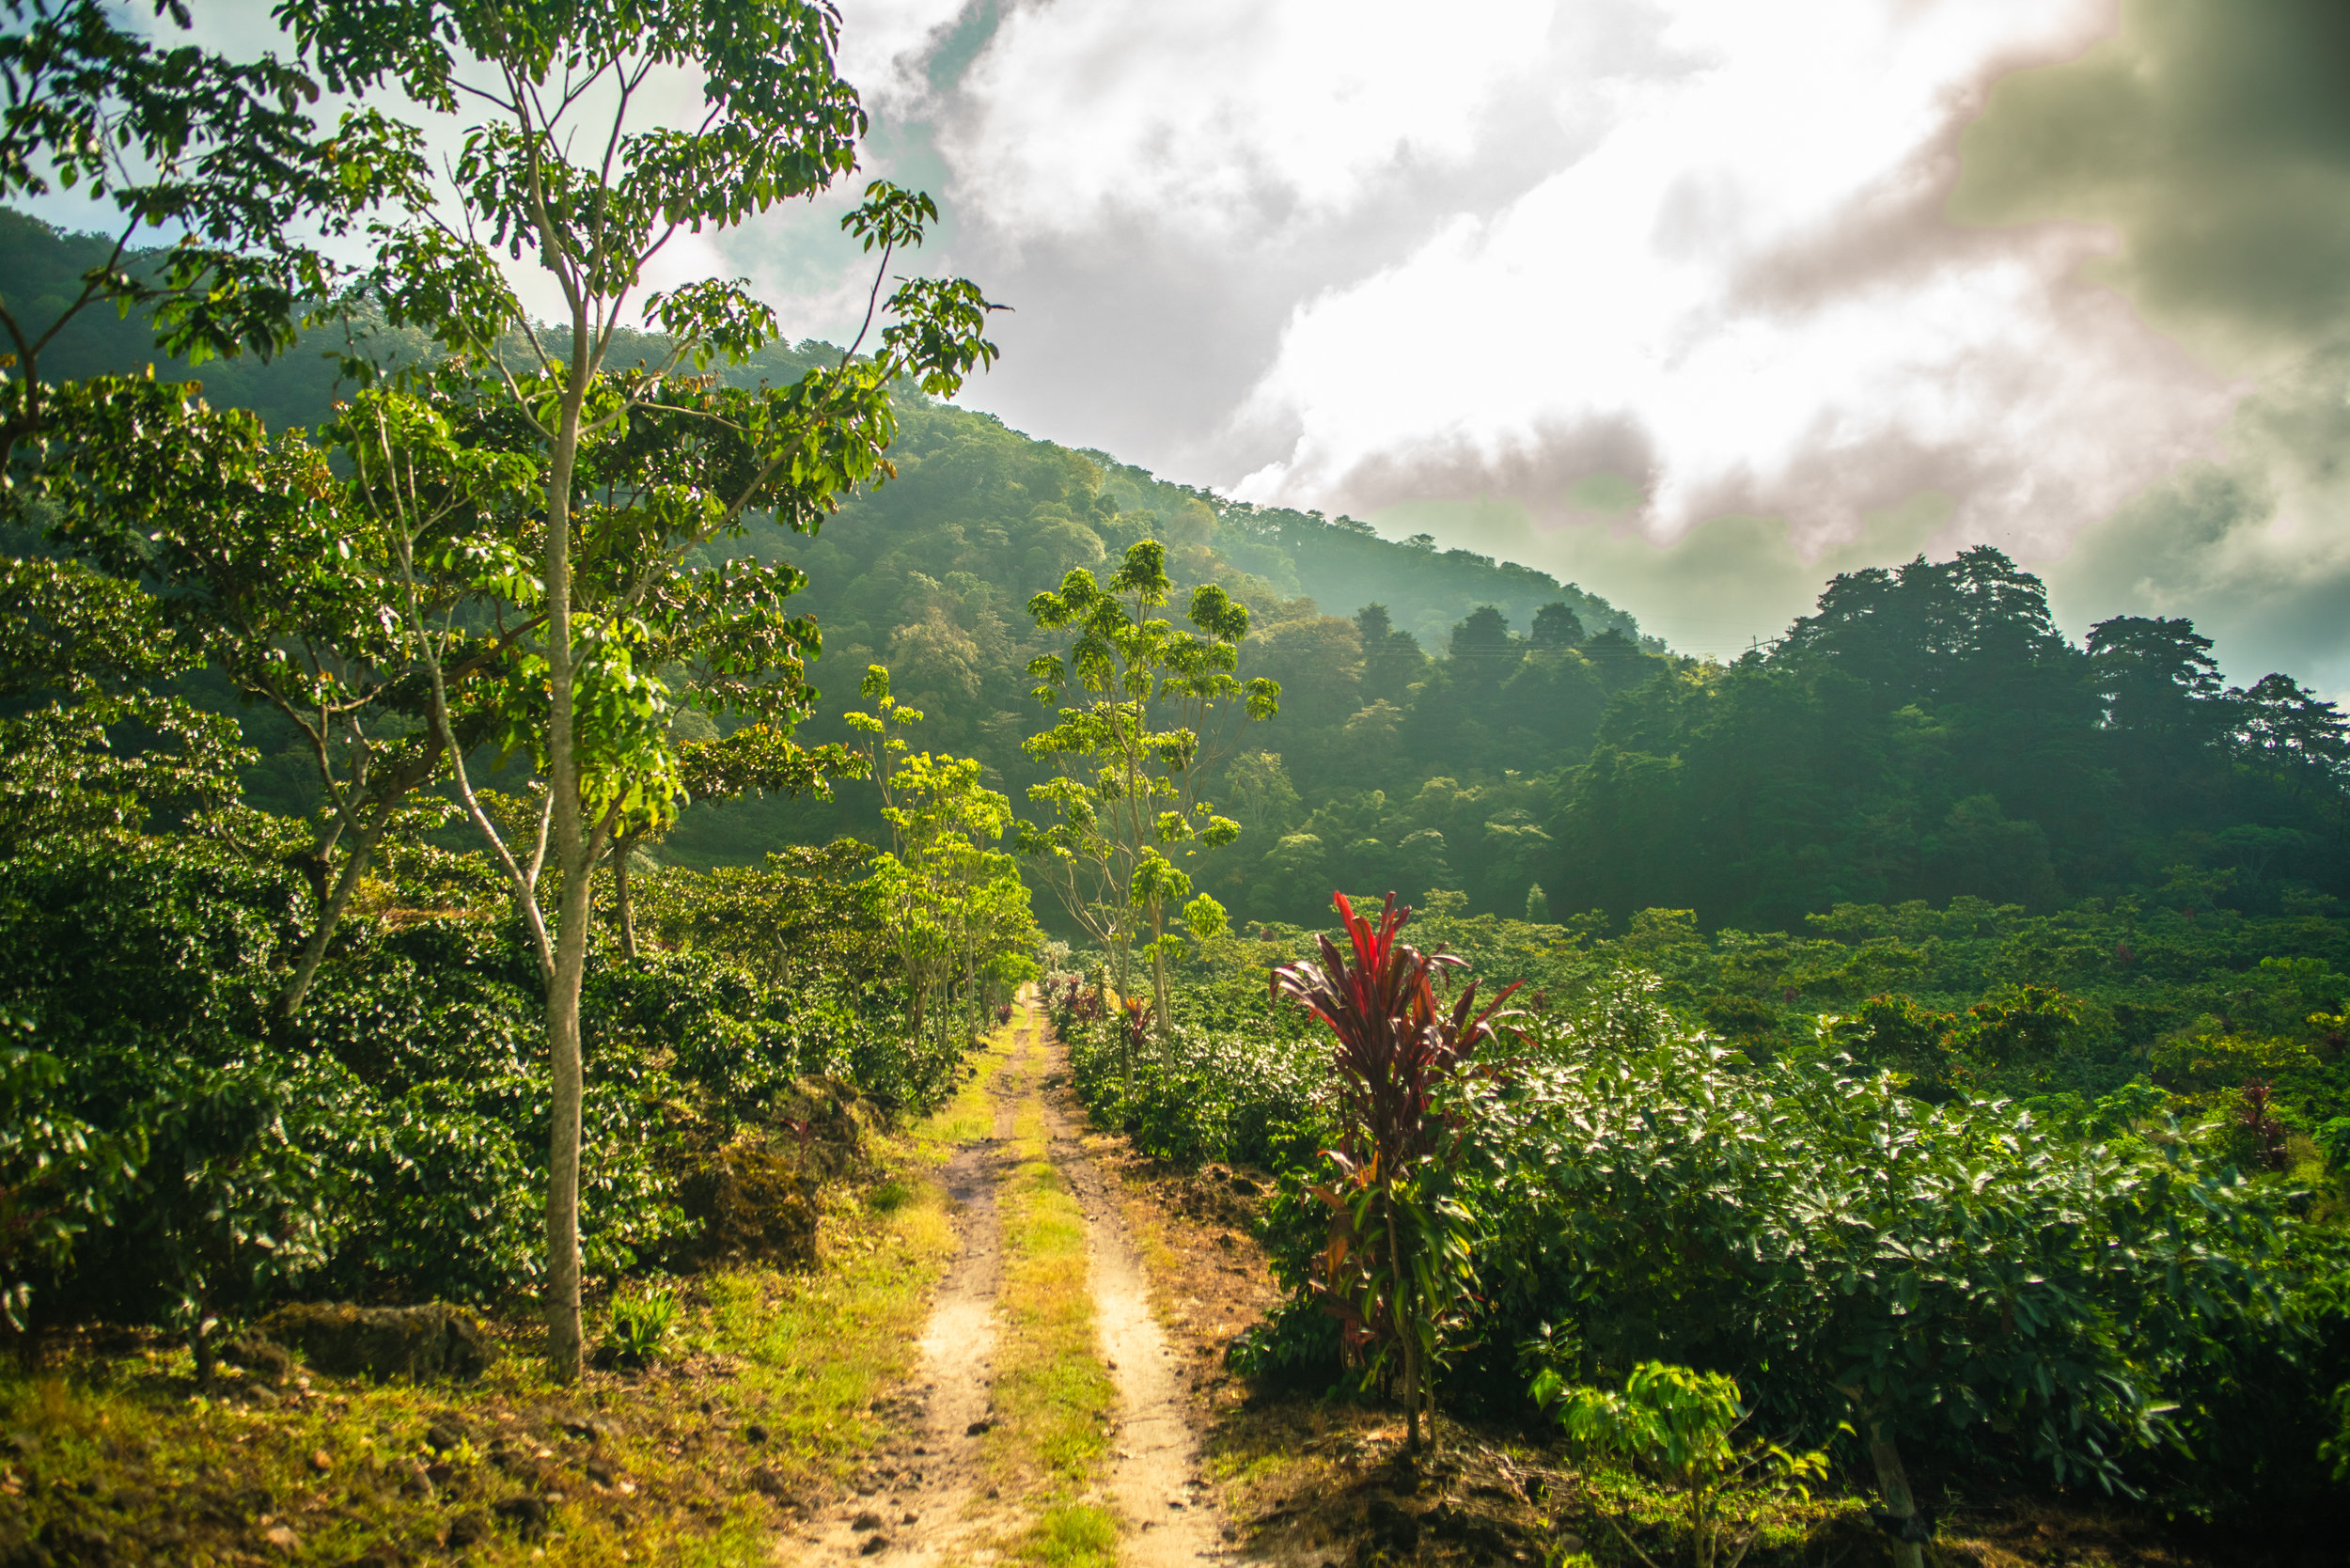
x: 2252, y: 547
x: 2214, y: 137
x: 1139, y: 332
x: 2215, y: 140
x: 1549, y: 472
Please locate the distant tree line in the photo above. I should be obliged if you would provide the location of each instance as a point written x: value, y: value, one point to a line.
x: 1478, y: 728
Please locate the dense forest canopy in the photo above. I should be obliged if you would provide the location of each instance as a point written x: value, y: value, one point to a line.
x: 1456, y: 724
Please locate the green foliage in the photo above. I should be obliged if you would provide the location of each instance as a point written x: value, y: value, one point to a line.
x: 2333, y: 1141
x: 953, y: 907
x: 1200, y: 1093
x: 176, y: 1156
x: 1205, y: 919
x: 1927, y: 734
x: 58, y: 1175
x: 1940, y: 1269
x: 793, y: 921
x: 642, y: 1320
x: 174, y: 135
x: 2085, y: 1289
x: 1154, y: 710
x: 232, y: 1205
x: 103, y: 764
x: 1681, y: 1428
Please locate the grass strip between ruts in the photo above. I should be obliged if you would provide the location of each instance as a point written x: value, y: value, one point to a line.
x: 1054, y: 1398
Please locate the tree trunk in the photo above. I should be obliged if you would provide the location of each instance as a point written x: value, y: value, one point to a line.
x: 200, y: 1344
x: 1162, y: 1016
x: 577, y: 866
x: 621, y: 907
x: 563, y: 1259
x: 1893, y: 1486
x: 314, y: 951
x: 1399, y: 1308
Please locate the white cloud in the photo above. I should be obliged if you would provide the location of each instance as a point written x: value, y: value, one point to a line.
x: 886, y: 45
x: 1695, y: 242
x: 1229, y: 116
x: 1749, y: 273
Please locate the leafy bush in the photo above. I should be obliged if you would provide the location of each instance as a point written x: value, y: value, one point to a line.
x: 1681, y: 1427
x: 1256, y: 1097
x: 1959, y: 1276
x: 58, y: 1175
x: 2075, y: 1286
x: 392, y: 1143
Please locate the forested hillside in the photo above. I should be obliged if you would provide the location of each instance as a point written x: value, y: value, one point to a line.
x: 1452, y: 723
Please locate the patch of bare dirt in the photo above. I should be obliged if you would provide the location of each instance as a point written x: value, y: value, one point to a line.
x: 1156, y: 1479
x: 926, y: 1501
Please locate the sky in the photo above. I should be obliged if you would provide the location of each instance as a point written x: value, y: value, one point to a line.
x: 1672, y: 297
x: 1694, y: 302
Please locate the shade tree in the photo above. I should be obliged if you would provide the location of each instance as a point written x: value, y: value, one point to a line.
x: 952, y: 904
x: 565, y: 161
x: 1145, y: 713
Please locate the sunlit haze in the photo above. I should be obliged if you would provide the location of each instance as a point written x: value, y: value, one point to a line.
x: 1674, y: 299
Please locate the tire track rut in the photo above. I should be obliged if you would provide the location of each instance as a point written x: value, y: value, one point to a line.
x: 927, y: 1499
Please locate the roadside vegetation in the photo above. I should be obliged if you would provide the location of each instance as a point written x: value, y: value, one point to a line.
x: 478, y: 1026
x: 1996, y: 1238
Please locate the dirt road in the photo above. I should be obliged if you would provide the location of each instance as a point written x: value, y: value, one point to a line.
x: 959, y: 1487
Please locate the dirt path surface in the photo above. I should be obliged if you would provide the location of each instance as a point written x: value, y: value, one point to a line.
x: 927, y: 1498
x: 924, y: 1501
x: 1155, y: 1477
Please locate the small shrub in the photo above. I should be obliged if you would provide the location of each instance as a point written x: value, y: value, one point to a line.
x: 754, y: 1201
x: 642, y: 1321
x: 1680, y: 1427
x: 2333, y: 1140
x: 1397, y: 1259
x: 2258, y: 1136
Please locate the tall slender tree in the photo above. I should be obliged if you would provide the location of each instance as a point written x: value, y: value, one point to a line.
x: 567, y: 162
x: 1152, y: 710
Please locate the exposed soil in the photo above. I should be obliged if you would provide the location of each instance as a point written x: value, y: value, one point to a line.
x: 929, y: 1502
x: 1156, y: 1479
x: 923, y: 1501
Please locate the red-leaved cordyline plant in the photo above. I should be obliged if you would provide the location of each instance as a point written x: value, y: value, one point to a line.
x: 1394, y: 1256
x: 2255, y: 1115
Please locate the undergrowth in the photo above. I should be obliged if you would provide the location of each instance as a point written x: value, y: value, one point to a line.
x: 760, y: 1402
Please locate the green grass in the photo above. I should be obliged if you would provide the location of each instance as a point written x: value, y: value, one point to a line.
x: 119, y: 1446
x: 1070, y: 1535
x: 817, y: 1349
x: 1053, y: 1390
x: 971, y: 1114
x: 1054, y: 1397
x: 122, y: 1443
